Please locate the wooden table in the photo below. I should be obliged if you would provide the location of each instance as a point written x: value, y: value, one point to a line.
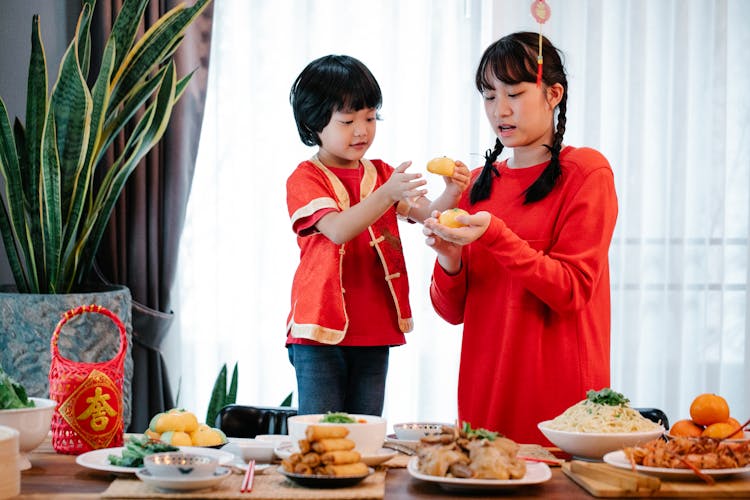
x: 59, y: 477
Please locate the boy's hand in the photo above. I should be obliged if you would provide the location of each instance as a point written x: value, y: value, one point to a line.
x: 404, y: 186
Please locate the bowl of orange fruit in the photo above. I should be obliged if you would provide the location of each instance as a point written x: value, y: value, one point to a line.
x: 710, y: 417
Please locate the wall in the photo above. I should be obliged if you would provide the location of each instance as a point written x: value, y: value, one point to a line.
x: 57, y: 24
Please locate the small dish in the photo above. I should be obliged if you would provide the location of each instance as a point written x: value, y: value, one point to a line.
x: 392, y: 438
x: 276, y: 439
x: 251, y: 449
x: 183, y: 483
x: 414, y: 431
x: 284, y: 450
x: 173, y: 464
x: 316, y: 481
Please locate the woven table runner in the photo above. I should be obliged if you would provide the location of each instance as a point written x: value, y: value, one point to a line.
x: 269, y: 485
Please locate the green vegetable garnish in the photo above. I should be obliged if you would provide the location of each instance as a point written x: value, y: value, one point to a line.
x: 135, y: 449
x: 337, y: 418
x: 478, y: 433
x: 607, y: 397
x: 12, y: 394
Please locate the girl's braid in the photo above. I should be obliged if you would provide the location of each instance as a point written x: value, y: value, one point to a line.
x: 482, y: 186
x: 546, y: 180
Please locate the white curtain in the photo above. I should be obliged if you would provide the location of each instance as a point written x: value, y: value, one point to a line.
x: 658, y: 87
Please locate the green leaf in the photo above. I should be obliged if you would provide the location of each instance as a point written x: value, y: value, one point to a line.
x: 218, y: 396
x: 232, y: 394
x: 12, y: 219
x: 151, y: 50
x: 51, y: 216
x: 125, y: 28
x: 287, y: 400
x: 72, y: 106
x: 36, y: 111
x: 83, y: 45
x: 607, y: 397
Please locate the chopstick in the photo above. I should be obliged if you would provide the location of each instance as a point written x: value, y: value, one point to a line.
x: 548, y: 461
x: 247, y: 481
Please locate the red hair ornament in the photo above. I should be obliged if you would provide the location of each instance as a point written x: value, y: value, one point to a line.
x: 540, y: 11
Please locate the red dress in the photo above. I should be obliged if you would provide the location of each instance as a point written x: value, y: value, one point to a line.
x: 533, y: 295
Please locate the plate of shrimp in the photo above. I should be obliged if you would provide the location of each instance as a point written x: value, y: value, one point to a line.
x: 685, y: 458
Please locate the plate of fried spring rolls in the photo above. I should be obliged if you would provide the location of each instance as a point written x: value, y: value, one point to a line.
x: 326, y: 459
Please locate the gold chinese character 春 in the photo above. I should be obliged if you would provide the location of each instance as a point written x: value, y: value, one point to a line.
x: 98, y: 410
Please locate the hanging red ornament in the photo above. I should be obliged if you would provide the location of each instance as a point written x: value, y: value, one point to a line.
x: 540, y: 11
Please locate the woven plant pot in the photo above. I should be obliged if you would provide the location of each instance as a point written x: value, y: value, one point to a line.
x: 27, y: 322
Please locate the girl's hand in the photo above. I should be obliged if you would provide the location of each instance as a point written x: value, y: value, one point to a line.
x: 459, y: 181
x: 448, y: 253
x: 475, y: 226
x: 403, y: 186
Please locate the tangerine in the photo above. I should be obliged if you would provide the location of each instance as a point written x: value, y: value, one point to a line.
x: 708, y: 409
x: 735, y: 425
x: 686, y: 428
x: 442, y: 165
x: 448, y: 217
x: 719, y: 430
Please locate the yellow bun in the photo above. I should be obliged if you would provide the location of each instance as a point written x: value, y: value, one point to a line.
x: 448, y: 217
x: 442, y: 166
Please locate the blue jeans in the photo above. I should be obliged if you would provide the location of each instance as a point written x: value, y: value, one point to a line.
x: 345, y: 379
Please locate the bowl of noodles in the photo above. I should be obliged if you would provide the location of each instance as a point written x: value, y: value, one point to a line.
x: 601, y: 423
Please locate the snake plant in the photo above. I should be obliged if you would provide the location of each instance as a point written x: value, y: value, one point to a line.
x: 54, y: 215
x: 220, y: 395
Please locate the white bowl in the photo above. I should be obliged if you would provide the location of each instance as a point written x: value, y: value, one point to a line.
x: 252, y: 449
x: 368, y: 436
x: 179, y: 464
x: 414, y: 431
x: 594, y: 445
x: 276, y: 439
x: 33, y: 425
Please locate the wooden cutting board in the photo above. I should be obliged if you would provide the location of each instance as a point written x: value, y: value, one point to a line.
x: 732, y: 487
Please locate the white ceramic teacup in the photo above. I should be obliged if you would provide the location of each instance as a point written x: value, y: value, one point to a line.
x: 174, y: 464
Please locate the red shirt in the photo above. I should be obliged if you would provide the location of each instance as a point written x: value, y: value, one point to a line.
x: 373, y: 320
x: 533, y: 295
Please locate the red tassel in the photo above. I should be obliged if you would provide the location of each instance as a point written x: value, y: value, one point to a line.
x: 539, y: 72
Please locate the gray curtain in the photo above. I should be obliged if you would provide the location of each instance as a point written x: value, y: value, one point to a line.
x: 140, y: 247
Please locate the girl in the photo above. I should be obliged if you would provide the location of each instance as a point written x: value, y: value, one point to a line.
x: 528, y: 275
x: 350, y: 290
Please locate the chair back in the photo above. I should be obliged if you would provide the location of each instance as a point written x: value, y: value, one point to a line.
x: 244, y: 421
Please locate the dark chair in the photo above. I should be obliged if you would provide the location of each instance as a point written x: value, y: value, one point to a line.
x: 248, y: 421
x: 655, y: 415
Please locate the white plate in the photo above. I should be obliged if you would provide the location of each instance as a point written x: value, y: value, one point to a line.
x: 183, y: 483
x: 391, y: 438
x: 535, y: 473
x: 382, y: 455
x: 618, y: 459
x: 98, y: 459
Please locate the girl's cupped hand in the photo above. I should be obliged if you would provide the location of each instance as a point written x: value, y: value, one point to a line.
x: 438, y: 235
